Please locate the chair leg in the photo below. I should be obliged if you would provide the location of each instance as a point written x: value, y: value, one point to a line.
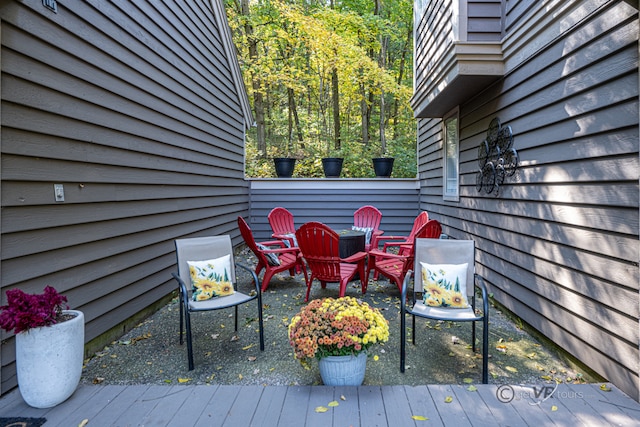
x: 403, y: 338
x: 473, y: 336
x: 187, y: 319
x: 260, y: 322
x: 236, y: 318
x: 181, y: 321
x: 266, y: 279
x: 309, y: 282
x: 413, y: 329
x: 485, y: 349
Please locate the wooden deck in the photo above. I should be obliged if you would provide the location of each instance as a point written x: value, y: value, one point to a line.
x: 228, y: 405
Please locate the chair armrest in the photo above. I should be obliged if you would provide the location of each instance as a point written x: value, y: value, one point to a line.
x: 405, y: 287
x: 279, y: 243
x: 183, y: 289
x: 381, y: 254
x: 479, y: 282
x: 355, y: 257
x: 294, y: 249
x: 253, y: 274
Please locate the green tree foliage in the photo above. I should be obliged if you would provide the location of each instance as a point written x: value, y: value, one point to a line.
x: 294, y: 52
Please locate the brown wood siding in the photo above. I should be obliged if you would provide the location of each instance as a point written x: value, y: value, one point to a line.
x: 559, y: 244
x: 132, y: 107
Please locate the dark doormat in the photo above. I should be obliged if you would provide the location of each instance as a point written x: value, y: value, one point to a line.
x: 22, y: 422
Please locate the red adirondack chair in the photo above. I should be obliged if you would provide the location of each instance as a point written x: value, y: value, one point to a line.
x: 395, y: 266
x: 367, y: 219
x: 272, y: 260
x: 320, y: 247
x: 403, y: 242
x: 282, y: 225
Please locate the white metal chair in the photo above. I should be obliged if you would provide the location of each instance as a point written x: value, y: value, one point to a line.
x: 204, y: 249
x: 440, y: 253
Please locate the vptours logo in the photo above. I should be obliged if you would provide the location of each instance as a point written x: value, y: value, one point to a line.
x: 535, y: 395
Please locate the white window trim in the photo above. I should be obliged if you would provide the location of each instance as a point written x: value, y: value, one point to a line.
x: 451, y: 189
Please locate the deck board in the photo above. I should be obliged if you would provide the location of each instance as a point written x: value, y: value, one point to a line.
x: 346, y: 413
x: 272, y: 399
x: 421, y: 404
x: 274, y: 406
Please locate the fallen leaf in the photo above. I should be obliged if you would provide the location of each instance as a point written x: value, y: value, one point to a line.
x: 554, y: 408
x: 83, y: 422
x: 448, y: 399
x: 467, y: 380
x: 333, y: 403
x: 511, y: 369
x: 531, y: 355
x: 419, y: 418
x: 472, y: 388
x: 376, y: 358
x: 604, y: 387
x: 184, y: 380
x: 247, y: 347
x: 252, y: 358
x: 98, y: 380
x: 545, y: 377
x: 321, y: 409
x: 342, y: 397
x: 240, y: 376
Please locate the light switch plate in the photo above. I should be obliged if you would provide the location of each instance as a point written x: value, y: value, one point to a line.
x: 58, y: 191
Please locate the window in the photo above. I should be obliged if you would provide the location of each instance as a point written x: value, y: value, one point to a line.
x: 451, y: 157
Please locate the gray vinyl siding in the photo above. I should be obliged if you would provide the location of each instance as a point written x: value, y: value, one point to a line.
x: 132, y: 106
x: 334, y: 202
x: 484, y: 20
x: 559, y: 244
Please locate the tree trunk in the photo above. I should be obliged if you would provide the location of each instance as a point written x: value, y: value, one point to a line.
x: 335, y: 97
x: 256, y: 84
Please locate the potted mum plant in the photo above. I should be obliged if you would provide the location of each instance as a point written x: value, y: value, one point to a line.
x: 337, y: 332
x: 49, y: 345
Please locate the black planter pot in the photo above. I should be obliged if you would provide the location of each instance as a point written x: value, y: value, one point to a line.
x: 332, y: 166
x: 383, y: 166
x: 284, y: 166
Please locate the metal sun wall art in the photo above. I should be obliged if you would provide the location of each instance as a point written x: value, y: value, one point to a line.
x: 497, y: 158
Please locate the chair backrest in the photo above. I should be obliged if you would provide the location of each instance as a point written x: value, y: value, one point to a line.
x: 445, y: 251
x: 247, y: 235
x: 202, y: 249
x: 420, y: 220
x: 429, y: 230
x: 281, y: 221
x: 320, y: 247
x: 367, y: 217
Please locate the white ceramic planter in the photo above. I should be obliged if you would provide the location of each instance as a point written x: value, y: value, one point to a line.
x: 49, y: 361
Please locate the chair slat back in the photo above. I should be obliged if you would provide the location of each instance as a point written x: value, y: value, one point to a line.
x: 247, y: 235
x: 420, y: 220
x: 444, y: 251
x: 202, y: 249
x: 281, y: 221
x: 367, y: 217
x: 320, y: 247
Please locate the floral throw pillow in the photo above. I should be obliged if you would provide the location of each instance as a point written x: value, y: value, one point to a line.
x: 444, y: 285
x: 211, y: 278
